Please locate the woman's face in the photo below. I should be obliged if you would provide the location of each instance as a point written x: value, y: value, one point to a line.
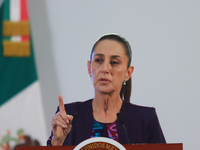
x: 108, y: 66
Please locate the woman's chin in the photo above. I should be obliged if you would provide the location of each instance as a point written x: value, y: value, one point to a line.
x: 105, y: 90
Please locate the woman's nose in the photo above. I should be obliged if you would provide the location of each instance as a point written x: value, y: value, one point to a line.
x: 105, y: 67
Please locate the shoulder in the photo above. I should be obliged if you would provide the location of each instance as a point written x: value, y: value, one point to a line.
x: 137, y: 108
x: 79, y: 106
x: 78, y: 103
x: 138, y: 112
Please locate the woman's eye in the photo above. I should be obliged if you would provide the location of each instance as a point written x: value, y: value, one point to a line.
x: 114, y: 63
x: 98, y: 60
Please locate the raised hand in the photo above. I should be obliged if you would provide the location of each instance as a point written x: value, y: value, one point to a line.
x: 61, y: 124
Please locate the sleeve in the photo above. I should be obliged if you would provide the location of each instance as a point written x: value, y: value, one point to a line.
x: 50, y: 138
x: 155, y: 134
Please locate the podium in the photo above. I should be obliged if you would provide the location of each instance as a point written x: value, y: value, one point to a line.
x: 128, y: 147
x: 102, y: 143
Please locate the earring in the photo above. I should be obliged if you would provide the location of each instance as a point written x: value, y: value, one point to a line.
x: 124, y: 82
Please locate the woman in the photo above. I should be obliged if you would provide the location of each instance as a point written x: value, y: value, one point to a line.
x: 110, y: 70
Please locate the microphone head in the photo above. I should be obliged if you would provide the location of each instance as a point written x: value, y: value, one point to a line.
x: 74, y: 118
x: 120, y: 118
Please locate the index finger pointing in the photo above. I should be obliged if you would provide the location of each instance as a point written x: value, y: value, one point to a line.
x: 61, y: 104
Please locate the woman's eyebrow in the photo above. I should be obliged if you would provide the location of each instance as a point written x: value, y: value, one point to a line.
x: 113, y: 56
x: 116, y: 56
x: 99, y: 55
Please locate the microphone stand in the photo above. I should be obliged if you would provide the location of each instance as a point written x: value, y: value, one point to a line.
x: 122, y: 123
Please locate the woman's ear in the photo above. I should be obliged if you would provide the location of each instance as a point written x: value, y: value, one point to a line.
x: 89, y: 67
x: 129, y: 72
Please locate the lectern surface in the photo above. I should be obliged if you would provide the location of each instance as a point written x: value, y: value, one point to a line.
x: 128, y: 147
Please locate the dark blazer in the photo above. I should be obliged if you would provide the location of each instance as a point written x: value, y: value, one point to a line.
x: 141, y: 123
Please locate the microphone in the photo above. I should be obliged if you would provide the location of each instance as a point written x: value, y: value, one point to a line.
x: 122, y: 123
x: 73, y: 123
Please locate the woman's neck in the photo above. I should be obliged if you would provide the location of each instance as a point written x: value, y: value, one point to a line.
x: 105, y: 107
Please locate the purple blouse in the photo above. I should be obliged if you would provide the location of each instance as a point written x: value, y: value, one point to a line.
x: 105, y: 130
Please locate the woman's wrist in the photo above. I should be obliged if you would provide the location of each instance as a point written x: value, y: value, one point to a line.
x: 56, y: 142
